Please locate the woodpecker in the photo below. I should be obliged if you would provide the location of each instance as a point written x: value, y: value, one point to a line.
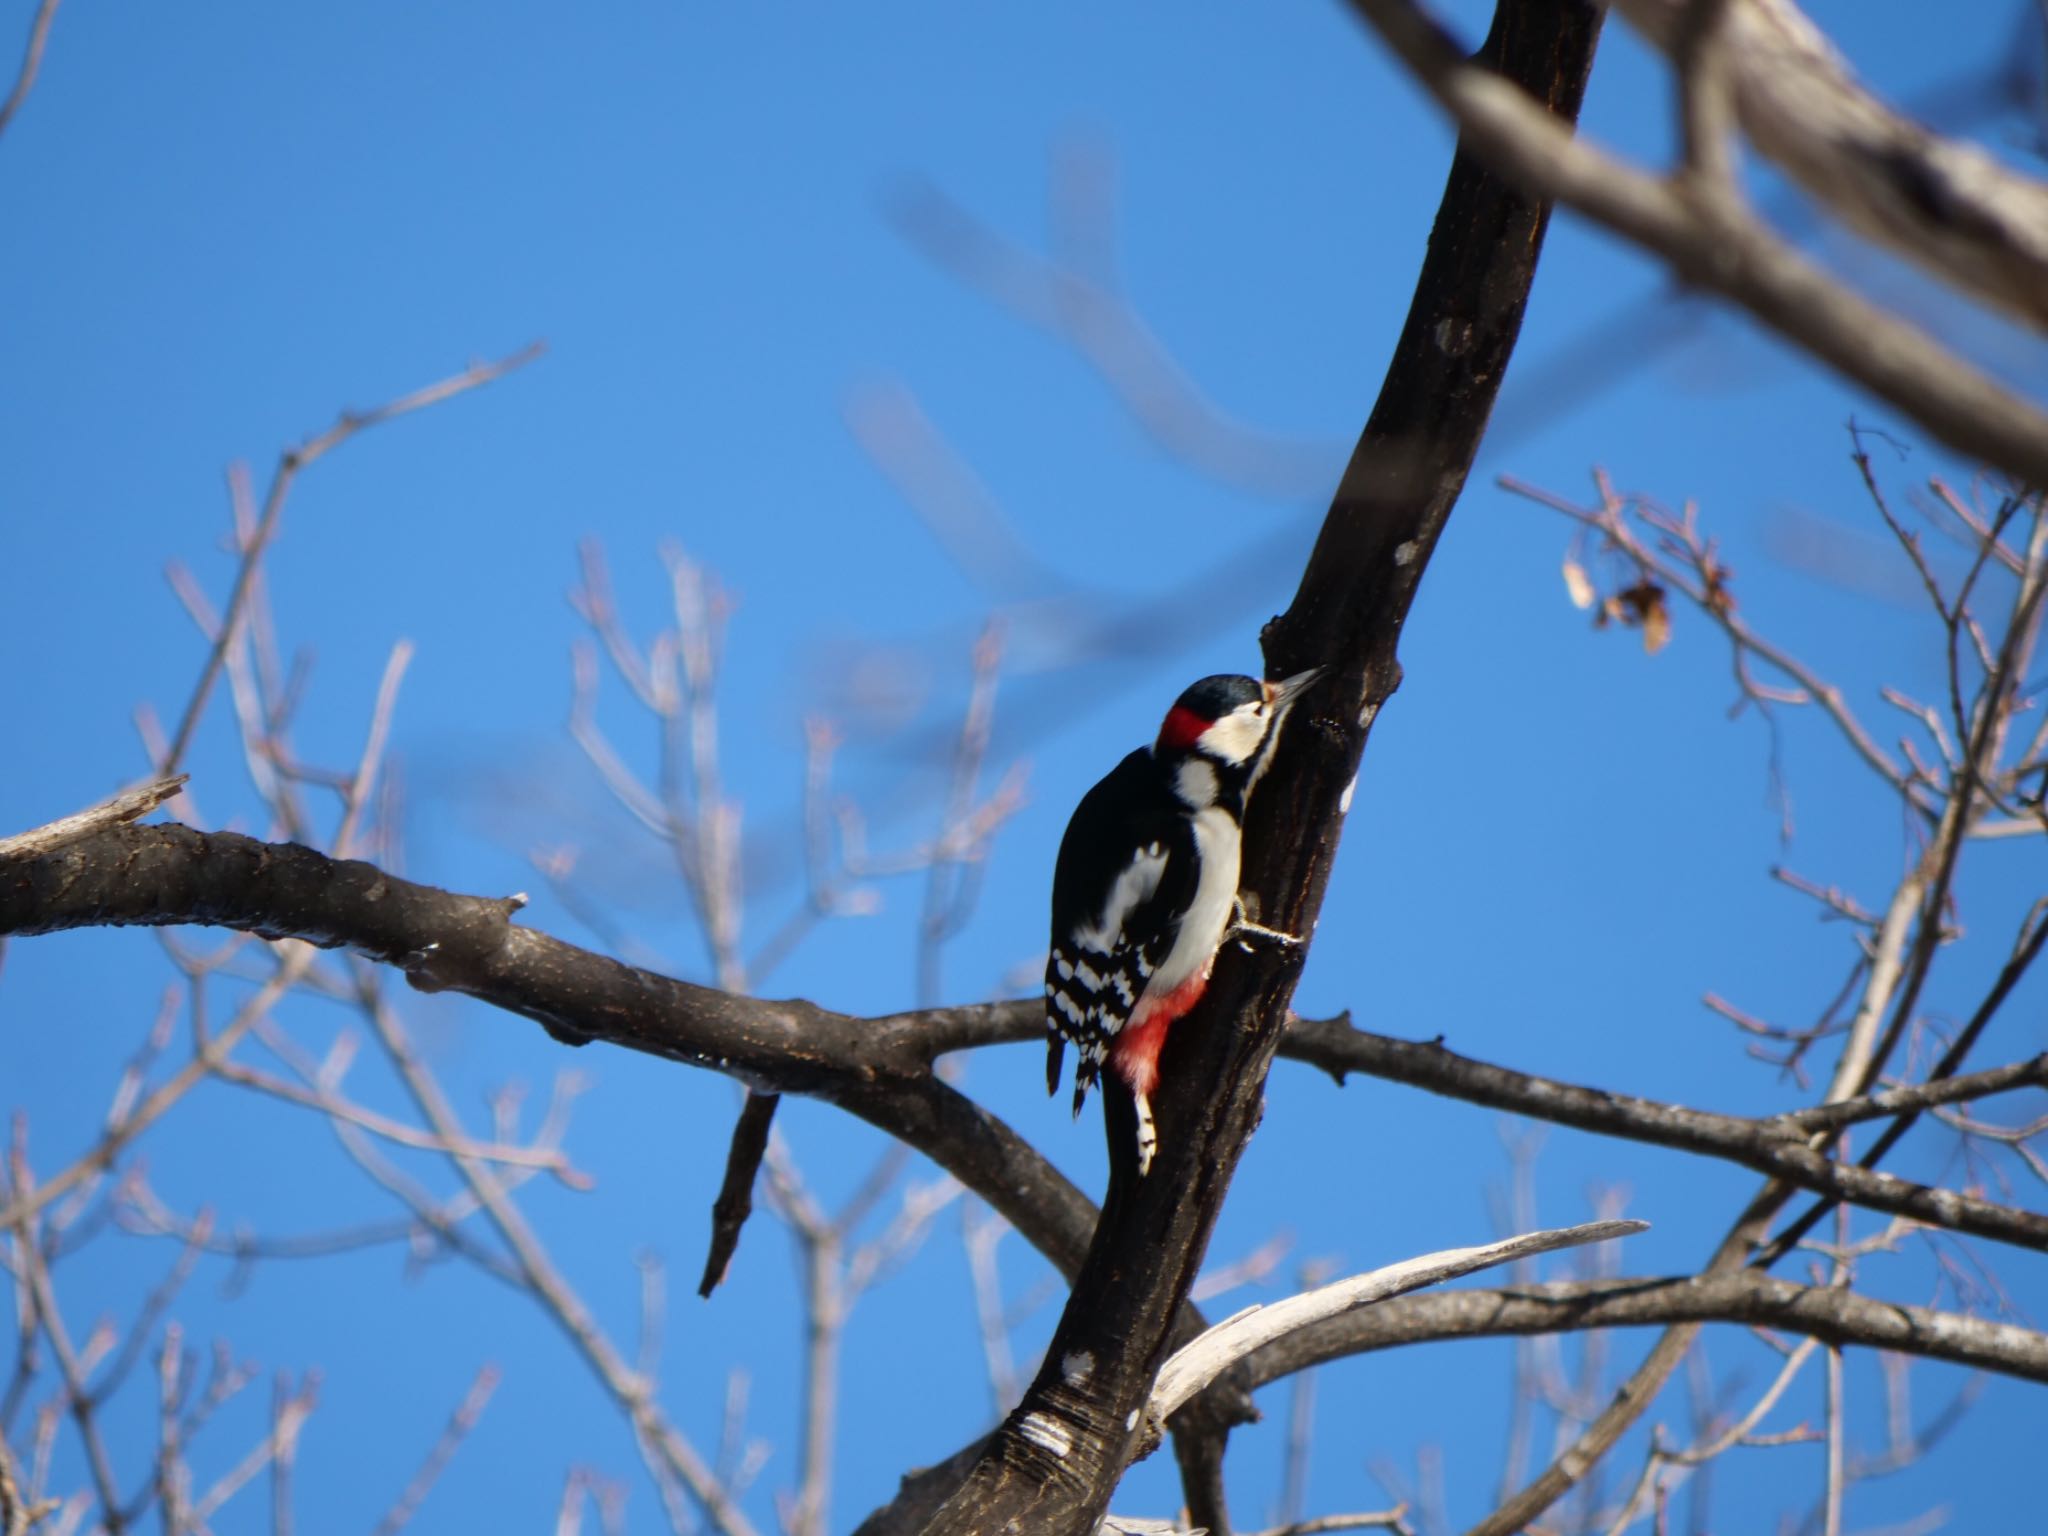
x: 1145, y: 890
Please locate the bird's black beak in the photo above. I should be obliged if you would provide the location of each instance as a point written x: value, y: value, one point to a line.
x: 1280, y: 695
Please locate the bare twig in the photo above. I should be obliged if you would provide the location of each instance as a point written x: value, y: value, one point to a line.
x: 289, y: 464
x: 288, y: 1412
x: 460, y: 1423
x: 1395, y: 1520
x: 664, y: 1444
x: 100, y: 1157
x: 34, y: 1276
x: 550, y: 1159
x: 1078, y: 300
x: 31, y: 61
x: 1608, y: 520
x: 129, y: 805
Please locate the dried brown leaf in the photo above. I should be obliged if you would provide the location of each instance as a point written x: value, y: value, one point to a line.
x: 1644, y: 605
x: 1578, y: 585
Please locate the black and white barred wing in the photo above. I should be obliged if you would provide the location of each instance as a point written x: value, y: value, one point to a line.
x: 1120, y: 896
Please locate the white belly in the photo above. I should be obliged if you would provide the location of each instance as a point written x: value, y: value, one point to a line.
x: 1218, y: 841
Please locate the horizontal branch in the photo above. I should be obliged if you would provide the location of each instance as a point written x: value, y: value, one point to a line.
x: 877, y: 1069
x: 1195, y: 1365
x: 1830, y: 1313
x: 1779, y: 1147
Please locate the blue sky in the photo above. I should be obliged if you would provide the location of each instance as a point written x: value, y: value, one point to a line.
x: 226, y: 223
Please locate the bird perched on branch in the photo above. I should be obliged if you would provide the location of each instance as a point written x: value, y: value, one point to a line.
x: 1145, y: 890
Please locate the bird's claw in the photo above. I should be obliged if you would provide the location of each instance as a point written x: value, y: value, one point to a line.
x: 1242, y: 928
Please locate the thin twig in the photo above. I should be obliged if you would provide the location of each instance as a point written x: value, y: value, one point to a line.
x: 663, y: 1442
x: 31, y: 61
x: 289, y: 464
x: 130, y: 804
x: 460, y: 1423
x: 78, y: 1401
x: 100, y: 1157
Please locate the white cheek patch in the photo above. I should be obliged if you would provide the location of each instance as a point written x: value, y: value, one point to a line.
x: 1237, y: 735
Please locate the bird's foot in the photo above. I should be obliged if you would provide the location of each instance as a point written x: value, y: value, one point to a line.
x: 1242, y: 929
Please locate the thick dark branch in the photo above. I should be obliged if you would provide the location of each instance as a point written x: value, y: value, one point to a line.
x: 1779, y: 1147
x: 1830, y: 1313
x: 1054, y: 1463
x: 879, y: 1069
x: 876, y: 1069
x: 1338, y: 1047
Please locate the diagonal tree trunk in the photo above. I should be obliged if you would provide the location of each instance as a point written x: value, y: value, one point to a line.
x: 1054, y: 1463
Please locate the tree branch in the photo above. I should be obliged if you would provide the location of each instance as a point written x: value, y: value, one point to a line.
x: 1388, y: 513
x: 1195, y: 1365
x: 1055, y: 1461
x: 877, y: 1068
x: 1781, y: 1147
x: 31, y: 61
x: 1833, y: 1314
x: 289, y: 465
x: 1947, y: 205
x: 1714, y: 242
x: 130, y: 804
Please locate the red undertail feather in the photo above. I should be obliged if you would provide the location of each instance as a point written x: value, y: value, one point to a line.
x: 1135, y: 1055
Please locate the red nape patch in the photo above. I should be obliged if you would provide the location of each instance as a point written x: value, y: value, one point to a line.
x: 1135, y: 1055
x: 1182, y: 728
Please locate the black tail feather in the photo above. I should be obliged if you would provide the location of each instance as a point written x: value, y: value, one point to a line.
x: 1085, y: 1073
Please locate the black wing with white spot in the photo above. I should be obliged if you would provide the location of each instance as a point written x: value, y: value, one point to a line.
x: 1118, y: 893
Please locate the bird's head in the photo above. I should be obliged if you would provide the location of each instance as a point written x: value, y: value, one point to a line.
x: 1218, y: 738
